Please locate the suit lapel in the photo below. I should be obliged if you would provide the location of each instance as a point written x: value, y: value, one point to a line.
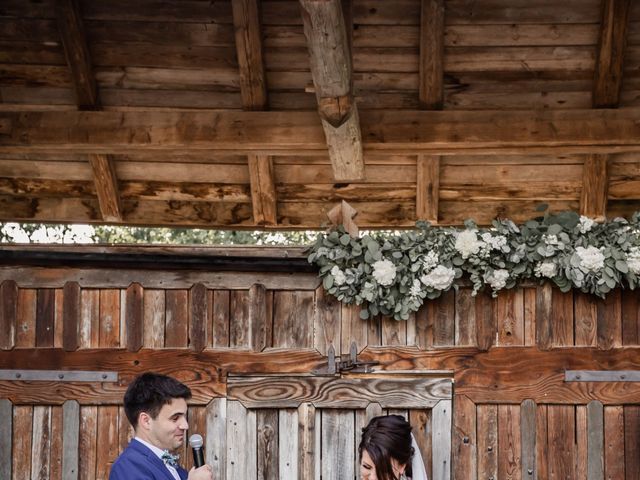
x: 153, y: 460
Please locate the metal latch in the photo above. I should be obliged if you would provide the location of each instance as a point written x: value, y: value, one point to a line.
x: 346, y: 364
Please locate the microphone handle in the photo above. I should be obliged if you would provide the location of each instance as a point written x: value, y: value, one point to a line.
x: 198, y: 457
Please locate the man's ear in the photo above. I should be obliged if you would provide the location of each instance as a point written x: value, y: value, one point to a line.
x: 144, y: 420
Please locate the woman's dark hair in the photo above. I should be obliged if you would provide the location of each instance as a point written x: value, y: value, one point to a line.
x: 149, y: 392
x: 385, y: 438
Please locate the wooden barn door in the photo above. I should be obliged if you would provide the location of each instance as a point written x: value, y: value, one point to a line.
x: 309, y: 427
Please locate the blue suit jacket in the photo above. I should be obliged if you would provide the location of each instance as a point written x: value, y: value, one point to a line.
x: 137, y: 462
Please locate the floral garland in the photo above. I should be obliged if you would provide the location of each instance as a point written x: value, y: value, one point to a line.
x: 393, y: 275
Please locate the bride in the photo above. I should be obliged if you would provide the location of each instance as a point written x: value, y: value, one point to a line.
x: 388, y: 451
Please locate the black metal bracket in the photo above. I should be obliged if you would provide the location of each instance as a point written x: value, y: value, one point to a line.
x: 346, y: 364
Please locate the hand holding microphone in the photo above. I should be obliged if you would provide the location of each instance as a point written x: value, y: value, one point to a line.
x: 200, y: 471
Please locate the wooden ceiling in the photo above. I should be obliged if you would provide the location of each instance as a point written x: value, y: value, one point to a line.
x: 266, y: 114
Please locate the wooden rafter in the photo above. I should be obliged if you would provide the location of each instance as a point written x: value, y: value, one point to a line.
x: 428, y: 188
x: 253, y: 85
x: 79, y: 62
x: 402, y: 132
x: 263, y: 190
x: 595, y: 182
x: 431, y: 87
x: 330, y: 60
x: 611, y: 47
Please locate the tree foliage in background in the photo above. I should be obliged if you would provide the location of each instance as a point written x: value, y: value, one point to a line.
x: 57, y: 233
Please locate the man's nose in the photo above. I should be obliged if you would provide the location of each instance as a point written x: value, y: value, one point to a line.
x: 184, y: 425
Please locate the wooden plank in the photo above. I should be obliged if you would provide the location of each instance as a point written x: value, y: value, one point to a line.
x: 253, y: 84
x: 308, y: 449
x: 486, y: 320
x: 562, y: 318
x: 216, y: 454
x: 134, y: 319
x: 288, y: 309
x: 241, y: 442
x: 595, y: 440
x: 510, y: 317
x: 22, y: 437
x: 220, y: 318
x: 421, y: 428
x: 428, y: 186
x: 198, y: 317
x: 444, y: 320
x: 529, y: 316
x: 8, y: 313
x: 338, y: 447
x: 631, y: 438
x: 610, y: 321
x: 106, y: 183
x: 561, y: 432
x: 326, y: 322
x: 70, y: 316
x: 465, y: 318
x: 441, y: 444
x: 41, y: 443
x: 528, y: 439
x: 614, y: 462
x: 45, y: 316
x: 76, y: 51
x: 558, y: 131
x: 288, y: 443
x: 6, y: 432
x: 57, y: 318
x: 595, y: 184
x: 465, y: 455
x: 88, y: 442
x: 109, y: 330
x: 70, y: 439
x: 290, y: 392
x: 393, y: 332
x: 177, y: 325
x: 487, y: 441
x: 581, y: 442
x: 26, y: 318
x: 432, y: 30
x: 56, y: 447
x: 153, y: 318
x: 107, y: 441
x: 542, y: 442
x: 424, y: 325
x: 240, y: 334
x: 630, y: 318
x: 330, y: 62
x: 610, y: 57
x: 89, y: 318
x: 544, y: 305
x: 263, y: 190
x: 268, y: 446
x: 509, y: 448
x: 585, y: 313
x: 261, y: 317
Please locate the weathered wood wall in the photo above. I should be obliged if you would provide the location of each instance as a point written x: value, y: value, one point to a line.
x: 512, y: 412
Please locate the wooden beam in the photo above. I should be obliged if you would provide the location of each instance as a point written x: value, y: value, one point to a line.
x: 263, y: 190
x: 595, y: 185
x: 431, y: 86
x: 106, y: 187
x: 286, y: 133
x: 253, y: 84
x: 611, y: 47
x: 330, y: 59
x: 77, y: 53
x: 428, y: 188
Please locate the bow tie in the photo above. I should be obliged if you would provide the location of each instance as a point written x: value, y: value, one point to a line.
x: 169, y: 459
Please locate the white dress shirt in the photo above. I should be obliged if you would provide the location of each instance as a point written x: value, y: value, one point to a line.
x: 159, y: 453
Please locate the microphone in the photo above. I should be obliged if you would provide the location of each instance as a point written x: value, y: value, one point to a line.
x: 195, y: 442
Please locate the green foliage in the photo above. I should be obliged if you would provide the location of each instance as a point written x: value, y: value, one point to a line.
x: 394, y: 274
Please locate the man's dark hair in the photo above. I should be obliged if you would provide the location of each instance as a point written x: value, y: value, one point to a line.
x: 149, y: 392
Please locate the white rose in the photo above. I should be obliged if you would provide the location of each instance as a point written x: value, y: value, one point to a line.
x: 585, y: 224
x: 384, y: 271
x: 633, y: 260
x: 498, y: 278
x: 440, y: 278
x: 591, y: 258
x: 338, y: 275
x: 546, y: 269
x: 467, y: 243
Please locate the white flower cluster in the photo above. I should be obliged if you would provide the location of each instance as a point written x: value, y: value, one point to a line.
x: 591, y: 258
x: 497, y: 279
x: 633, y: 260
x: 338, y: 275
x: 498, y: 242
x: 440, y: 278
x: 546, y: 269
x: 467, y: 243
x: 384, y: 271
x: 585, y: 224
x: 430, y: 260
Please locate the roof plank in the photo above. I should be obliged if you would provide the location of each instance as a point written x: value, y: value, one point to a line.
x: 431, y: 90
x: 330, y: 57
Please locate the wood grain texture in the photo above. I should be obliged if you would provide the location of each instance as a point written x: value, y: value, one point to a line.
x: 177, y: 324
x: 326, y: 324
x: 288, y: 443
x: 614, y: 463
x: 528, y: 439
x: 198, y: 296
x: 134, y: 317
x: 465, y: 454
x: 509, y: 447
x: 70, y: 316
x: 45, y: 317
x: 337, y: 437
x: 595, y: 185
x: 70, y: 439
x: 216, y: 412
x: 487, y: 417
x: 22, y: 442
x: 432, y: 31
x: 561, y: 431
x: 290, y: 392
x: 441, y: 444
x: 595, y: 440
x: 427, y: 188
x: 263, y: 189
x: 6, y: 439
x: 8, y: 313
x: 631, y: 438
x: 268, y: 443
x: 106, y: 184
x: 307, y: 445
x: 241, y: 441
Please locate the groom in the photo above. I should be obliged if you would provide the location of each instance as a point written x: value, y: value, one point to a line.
x: 156, y: 406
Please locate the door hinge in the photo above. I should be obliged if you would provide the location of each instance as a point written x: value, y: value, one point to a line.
x: 346, y: 364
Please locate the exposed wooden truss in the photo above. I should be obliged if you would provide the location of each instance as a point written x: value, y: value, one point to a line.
x: 330, y: 57
x: 595, y: 183
x: 428, y: 188
x: 263, y: 190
